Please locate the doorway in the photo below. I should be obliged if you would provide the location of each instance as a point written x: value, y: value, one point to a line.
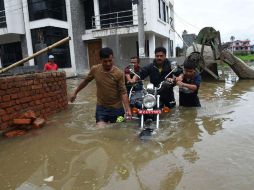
x: 94, y: 48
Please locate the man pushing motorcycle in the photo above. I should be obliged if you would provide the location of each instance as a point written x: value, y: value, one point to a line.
x: 157, y: 71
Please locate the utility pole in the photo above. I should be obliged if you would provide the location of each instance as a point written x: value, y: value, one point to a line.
x: 141, y: 29
x: 232, y: 38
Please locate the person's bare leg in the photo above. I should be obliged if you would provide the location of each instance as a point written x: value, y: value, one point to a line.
x: 101, y: 124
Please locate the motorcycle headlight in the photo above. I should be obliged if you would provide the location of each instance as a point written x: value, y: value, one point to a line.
x: 149, y: 101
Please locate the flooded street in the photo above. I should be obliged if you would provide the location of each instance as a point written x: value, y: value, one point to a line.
x: 195, y: 149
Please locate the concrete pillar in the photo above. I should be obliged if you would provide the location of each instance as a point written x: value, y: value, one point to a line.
x: 70, y: 33
x: 151, y: 45
x: 28, y: 31
x: 97, y: 14
x: 166, y: 45
x: 104, y: 42
x: 172, y: 34
x: 141, y: 29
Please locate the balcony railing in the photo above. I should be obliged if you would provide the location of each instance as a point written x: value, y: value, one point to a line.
x: 115, y: 19
x: 3, y: 23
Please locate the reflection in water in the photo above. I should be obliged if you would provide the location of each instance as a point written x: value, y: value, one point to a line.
x: 191, y: 145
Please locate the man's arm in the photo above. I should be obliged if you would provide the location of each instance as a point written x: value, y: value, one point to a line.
x: 124, y: 96
x: 192, y: 87
x: 128, y: 77
x: 144, y: 72
x: 82, y: 85
x: 126, y: 104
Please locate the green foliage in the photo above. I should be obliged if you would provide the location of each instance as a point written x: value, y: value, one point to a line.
x: 249, y: 57
x: 241, y: 53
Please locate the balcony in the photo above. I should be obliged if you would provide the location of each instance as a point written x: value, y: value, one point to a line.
x: 114, y: 20
x: 122, y: 22
x: 3, y: 23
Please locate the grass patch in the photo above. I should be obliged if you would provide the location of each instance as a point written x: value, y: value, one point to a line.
x: 247, y: 58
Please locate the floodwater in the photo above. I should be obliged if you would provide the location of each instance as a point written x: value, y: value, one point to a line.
x: 195, y: 149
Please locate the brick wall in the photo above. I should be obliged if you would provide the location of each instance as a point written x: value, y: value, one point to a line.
x: 44, y: 93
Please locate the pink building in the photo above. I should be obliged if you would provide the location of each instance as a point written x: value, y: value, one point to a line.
x: 239, y: 45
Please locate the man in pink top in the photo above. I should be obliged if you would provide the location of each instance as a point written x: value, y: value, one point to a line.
x: 51, y: 65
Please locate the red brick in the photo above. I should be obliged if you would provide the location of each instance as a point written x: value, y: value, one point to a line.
x: 15, y: 133
x: 38, y: 102
x: 2, y: 112
x: 5, y: 104
x: 4, y: 126
x: 32, y: 103
x: 11, y: 84
x: 30, y: 82
x: 14, y: 96
x: 3, y: 86
x: 2, y: 92
x: 6, y: 118
x: 35, y: 87
x: 22, y: 94
x: 28, y: 115
x: 40, y: 75
x: 26, y: 99
x: 17, y: 101
x: 10, y: 110
x: 36, y: 81
x: 6, y: 98
x: 22, y: 121
x: 17, y: 107
x: 40, y: 107
x: 24, y: 106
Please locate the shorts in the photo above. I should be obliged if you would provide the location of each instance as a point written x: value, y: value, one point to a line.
x: 108, y: 114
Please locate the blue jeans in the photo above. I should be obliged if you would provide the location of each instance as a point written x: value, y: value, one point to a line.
x: 108, y: 114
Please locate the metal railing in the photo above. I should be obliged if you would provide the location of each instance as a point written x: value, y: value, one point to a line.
x: 115, y: 19
x: 3, y: 23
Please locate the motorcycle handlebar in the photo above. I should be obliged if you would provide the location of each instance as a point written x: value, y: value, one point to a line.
x: 171, y: 83
x: 132, y: 71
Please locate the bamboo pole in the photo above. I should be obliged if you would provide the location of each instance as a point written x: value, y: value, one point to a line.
x: 36, y: 54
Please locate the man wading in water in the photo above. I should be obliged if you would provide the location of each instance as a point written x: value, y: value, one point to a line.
x: 111, y: 91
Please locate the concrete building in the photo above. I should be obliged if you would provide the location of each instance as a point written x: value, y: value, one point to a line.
x: 27, y: 26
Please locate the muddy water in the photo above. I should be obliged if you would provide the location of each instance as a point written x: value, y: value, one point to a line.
x: 207, y: 148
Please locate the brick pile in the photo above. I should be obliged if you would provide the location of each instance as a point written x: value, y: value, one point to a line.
x: 43, y: 93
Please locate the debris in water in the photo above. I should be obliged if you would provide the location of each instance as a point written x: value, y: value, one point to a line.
x: 49, y: 179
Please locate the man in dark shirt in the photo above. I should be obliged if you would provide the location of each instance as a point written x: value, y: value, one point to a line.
x: 189, y: 86
x: 134, y: 66
x: 157, y: 71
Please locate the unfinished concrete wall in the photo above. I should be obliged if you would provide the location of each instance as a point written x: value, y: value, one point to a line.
x: 44, y: 93
x: 78, y: 29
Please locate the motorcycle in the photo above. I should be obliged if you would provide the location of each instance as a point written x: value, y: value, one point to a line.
x: 146, y: 105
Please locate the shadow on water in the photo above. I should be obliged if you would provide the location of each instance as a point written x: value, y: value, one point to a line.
x: 79, y: 156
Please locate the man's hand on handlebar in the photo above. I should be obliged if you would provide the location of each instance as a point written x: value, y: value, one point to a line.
x: 170, y: 80
x: 179, y: 78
